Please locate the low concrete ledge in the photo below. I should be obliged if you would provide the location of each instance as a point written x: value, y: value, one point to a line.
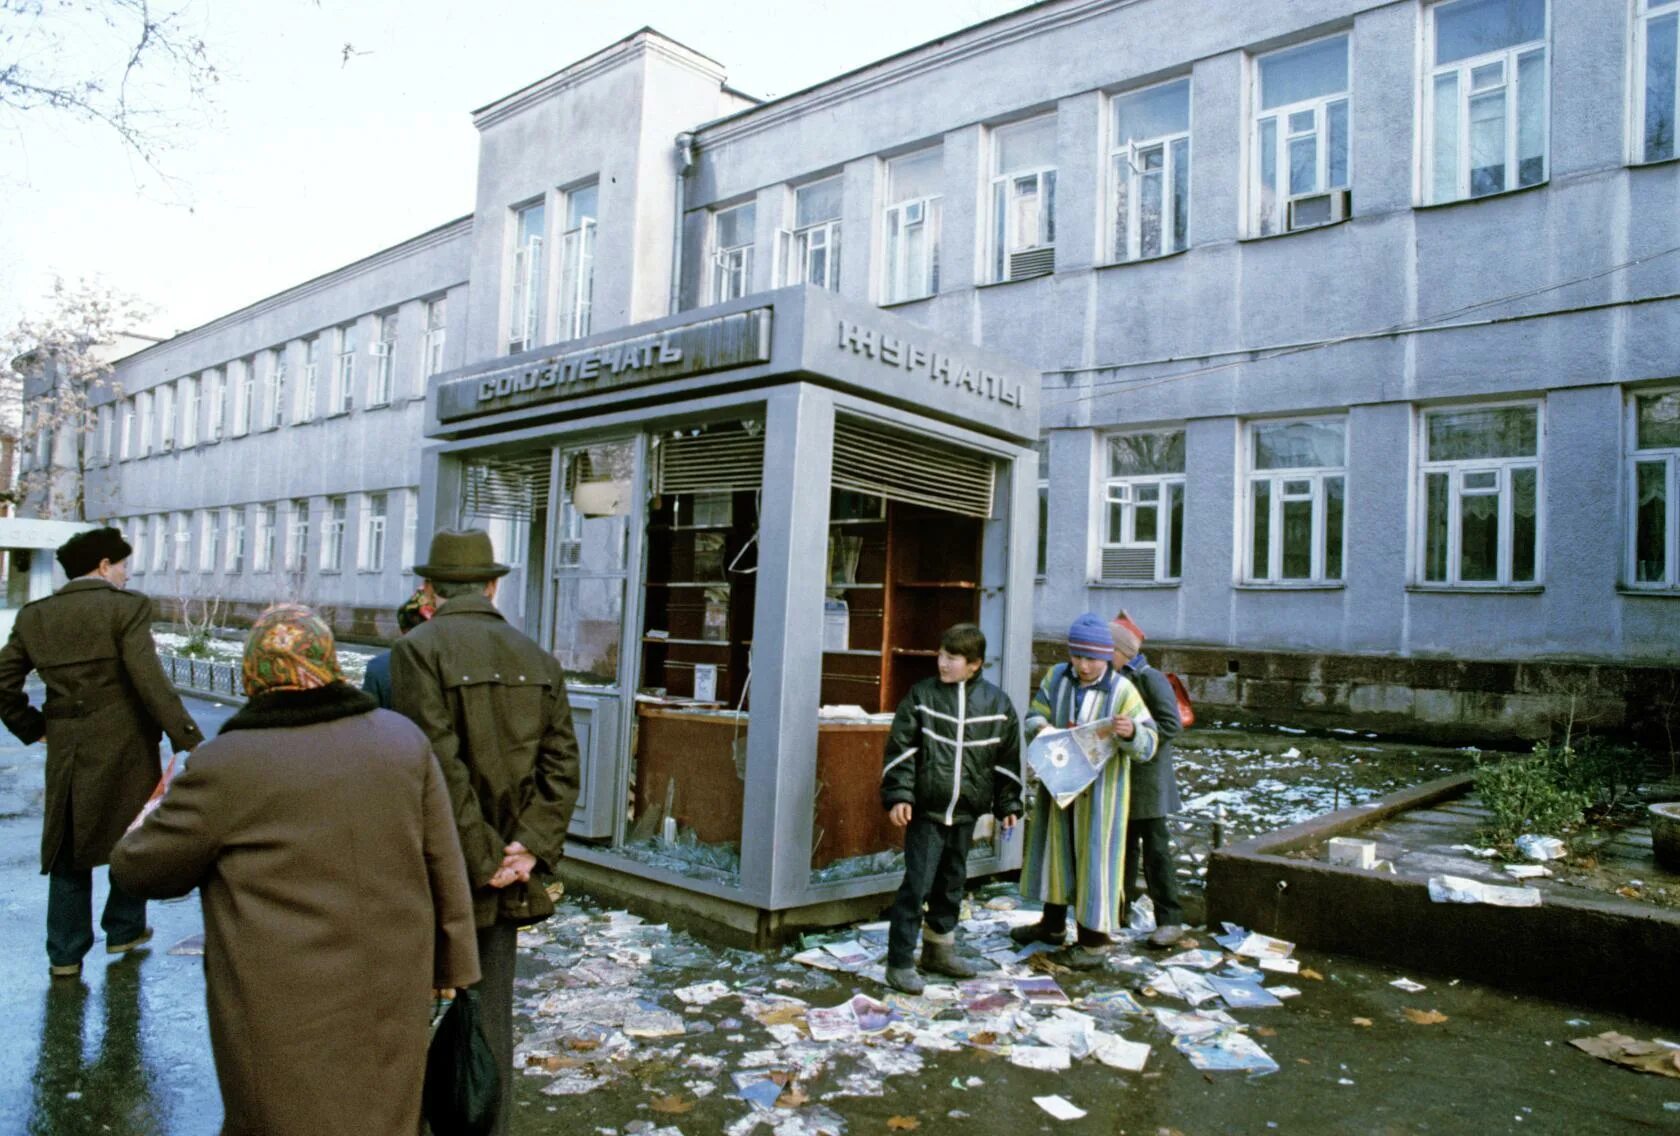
x: 1602, y: 952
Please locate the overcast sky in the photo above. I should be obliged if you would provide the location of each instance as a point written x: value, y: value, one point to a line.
x: 308, y: 160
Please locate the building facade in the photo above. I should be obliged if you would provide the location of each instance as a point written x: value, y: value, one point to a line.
x: 1355, y: 322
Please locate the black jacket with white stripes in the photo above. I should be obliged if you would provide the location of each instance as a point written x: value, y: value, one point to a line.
x: 954, y: 753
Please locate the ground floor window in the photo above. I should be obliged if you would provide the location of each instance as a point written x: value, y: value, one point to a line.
x: 1297, y: 499
x: 1654, y: 490
x: 1480, y: 493
x: 1143, y: 507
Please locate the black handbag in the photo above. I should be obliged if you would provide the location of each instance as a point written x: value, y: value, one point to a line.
x: 463, y: 1088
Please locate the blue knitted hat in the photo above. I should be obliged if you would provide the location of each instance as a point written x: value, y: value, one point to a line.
x: 1090, y: 637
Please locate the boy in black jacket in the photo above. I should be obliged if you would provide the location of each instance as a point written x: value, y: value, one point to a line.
x: 954, y: 754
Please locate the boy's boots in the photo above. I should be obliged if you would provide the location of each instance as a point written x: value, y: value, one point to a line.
x: 905, y: 980
x: 942, y: 958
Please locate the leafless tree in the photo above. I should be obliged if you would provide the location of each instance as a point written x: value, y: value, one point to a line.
x: 54, y: 370
x: 132, y: 67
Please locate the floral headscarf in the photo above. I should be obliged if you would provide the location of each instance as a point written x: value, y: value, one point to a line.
x: 290, y: 648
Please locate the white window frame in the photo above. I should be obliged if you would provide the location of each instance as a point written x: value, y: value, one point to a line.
x: 235, y: 563
x: 125, y: 439
x: 732, y: 265
x: 160, y: 542
x: 370, y: 548
x: 1126, y: 182
x: 1646, y: 13
x: 1278, y: 494
x: 409, y: 500
x: 332, y: 534
x: 1509, y: 58
x: 384, y: 348
x: 437, y: 317
x: 144, y: 401
x: 191, y: 411
x: 309, y: 389
x: 107, y: 420
x: 577, y: 264
x: 1668, y: 457
x: 803, y: 240
x: 342, y: 397
x: 262, y: 537
x: 1457, y: 471
x: 183, y: 542
x: 211, y: 528
x: 1264, y: 221
x: 901, y: 281
x: 216, y: 381
x: 1124, y: 490
x: 276, y: 387
x: 166, y: 412
x: 1041, y: 571
x: 1004, y: 243
x: 297, y: 535
x: 135, y: 531
x: 527, y: 279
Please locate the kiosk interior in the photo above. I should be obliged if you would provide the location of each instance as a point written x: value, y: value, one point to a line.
x: 742, y: 531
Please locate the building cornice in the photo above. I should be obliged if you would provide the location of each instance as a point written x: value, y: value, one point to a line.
x: 645, y: 41
x: 444, y: 233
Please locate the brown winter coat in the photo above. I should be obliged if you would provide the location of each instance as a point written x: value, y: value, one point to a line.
x: 108, y: 705
x: 316, y: 828
x: 494, y: 705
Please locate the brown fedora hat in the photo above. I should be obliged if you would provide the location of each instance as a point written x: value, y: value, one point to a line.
x: 461, y: 556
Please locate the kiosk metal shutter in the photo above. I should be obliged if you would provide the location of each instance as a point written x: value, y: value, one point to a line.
x: 719, y: 457
x: 514, y: 486
x: 910, y: 468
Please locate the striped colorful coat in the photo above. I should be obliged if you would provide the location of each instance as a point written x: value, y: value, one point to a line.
x: 1077, y: 855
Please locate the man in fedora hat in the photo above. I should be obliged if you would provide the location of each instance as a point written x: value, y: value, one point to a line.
x: 494, y: 705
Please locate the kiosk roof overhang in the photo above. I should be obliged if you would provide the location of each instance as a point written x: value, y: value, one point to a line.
x: 799, y: 334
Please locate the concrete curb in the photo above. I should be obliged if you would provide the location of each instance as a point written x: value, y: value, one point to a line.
x: 1610, y: 953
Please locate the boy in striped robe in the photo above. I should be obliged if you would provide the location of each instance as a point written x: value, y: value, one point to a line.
x: 1076, y: 856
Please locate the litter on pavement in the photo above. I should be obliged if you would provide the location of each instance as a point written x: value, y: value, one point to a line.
x: 1459, y: 889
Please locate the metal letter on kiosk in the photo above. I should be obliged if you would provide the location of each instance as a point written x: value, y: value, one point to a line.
x: 1067, y: 761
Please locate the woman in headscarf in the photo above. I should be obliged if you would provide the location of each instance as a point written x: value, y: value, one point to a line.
x: 318, y: 830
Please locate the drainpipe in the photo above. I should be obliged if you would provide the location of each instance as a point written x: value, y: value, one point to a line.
x: 685, y: 162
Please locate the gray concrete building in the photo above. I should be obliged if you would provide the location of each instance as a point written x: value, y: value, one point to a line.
x: 1355, y: 323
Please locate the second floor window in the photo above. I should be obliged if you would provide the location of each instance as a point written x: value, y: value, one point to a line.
x: 1654, y: 489
x: 1481, y: 496
x: 577, y: 262
x: 215, y: 397
x: 107, y: 418
x: 276, y: 388
x: 815, y: 255
x: 344, y: 372
x: 144, y: 401
x: 191, y: 411
x: 124, y: 439
x: 332, y: 535
x: 1297, y: 500
x: 160, y: 542
x: 1150, y: 172
x: 528, y: 282
x: 1301, y: 137
x: 207, y: 548
x: 436, y: 315
x: 1656, y: 91
x: 1143, y: 507
x: 311, y: 379
x: 384, y: 360
x: 910, y: 227
x: 183, y: 542
x: 236, y: 540
x: 1023, y: 239
x: 245, y: 397
x: 732, y: 251
x: 1485, y: 97
x: 166, y: 416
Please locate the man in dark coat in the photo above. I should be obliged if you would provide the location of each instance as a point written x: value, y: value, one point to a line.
x: 108, y: 704
x: 493, y: 703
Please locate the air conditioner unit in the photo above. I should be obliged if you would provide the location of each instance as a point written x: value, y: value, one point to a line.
x: 1040, y: 261
x: 1128, y: 563
x: 1320, y: 209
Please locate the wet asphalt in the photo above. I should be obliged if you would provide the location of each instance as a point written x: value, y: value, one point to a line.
x: 124, y: 1049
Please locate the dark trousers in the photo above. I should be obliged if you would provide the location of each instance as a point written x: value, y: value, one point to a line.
x: 70, y: 915
x: 935, y: 873
x: 498, y: 949
x: 1149, y: 846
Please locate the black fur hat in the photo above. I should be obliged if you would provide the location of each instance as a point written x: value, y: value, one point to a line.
x: 82, y: 553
